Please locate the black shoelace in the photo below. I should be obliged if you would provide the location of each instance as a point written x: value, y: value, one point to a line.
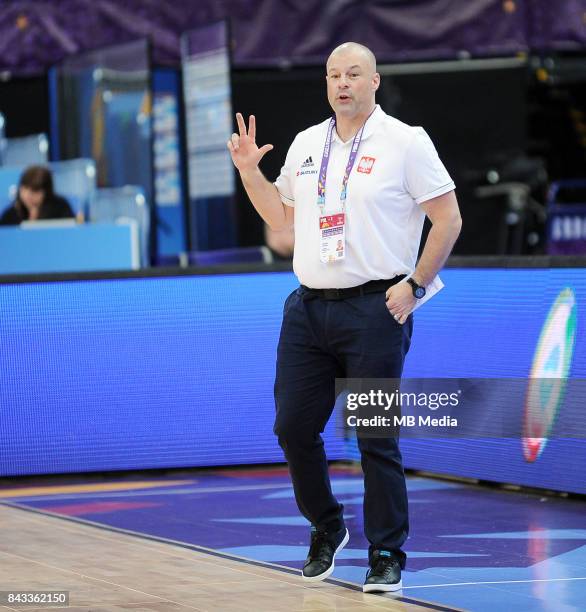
x: 382, y: 566
x: 321, y: 547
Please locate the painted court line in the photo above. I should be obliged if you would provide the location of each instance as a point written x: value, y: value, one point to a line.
x: 131, y: 493
x: 90, y: 488
x: 451, y: 584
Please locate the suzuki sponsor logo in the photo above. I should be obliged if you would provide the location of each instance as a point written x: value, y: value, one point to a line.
x: 308, y: 163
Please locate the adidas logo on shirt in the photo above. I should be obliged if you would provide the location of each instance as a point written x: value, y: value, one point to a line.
x: 308, y: 163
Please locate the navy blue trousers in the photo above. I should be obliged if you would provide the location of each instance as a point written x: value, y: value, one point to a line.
x: 322, y: 340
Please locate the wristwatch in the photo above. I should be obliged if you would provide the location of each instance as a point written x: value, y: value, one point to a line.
x: 418, y: 290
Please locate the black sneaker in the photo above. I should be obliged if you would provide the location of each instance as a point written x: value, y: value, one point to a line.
x: 322, y: 552
x: 384, y: 574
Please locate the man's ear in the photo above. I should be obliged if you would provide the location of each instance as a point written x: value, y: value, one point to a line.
x: 375, y: 81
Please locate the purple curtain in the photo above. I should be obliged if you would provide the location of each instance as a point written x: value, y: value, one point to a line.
x: 37, y: 34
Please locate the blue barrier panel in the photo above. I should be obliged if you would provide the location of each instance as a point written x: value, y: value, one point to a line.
x: 140, y: 373
x: 497, y: 324
x: 178, y: 371
x: 62, y: 246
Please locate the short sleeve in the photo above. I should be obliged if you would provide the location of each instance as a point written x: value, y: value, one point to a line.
x: 425, y: 175
x: 284, y: 182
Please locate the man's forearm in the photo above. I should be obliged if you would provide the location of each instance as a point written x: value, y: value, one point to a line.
x: 438, y: 246
x: 265, y: 198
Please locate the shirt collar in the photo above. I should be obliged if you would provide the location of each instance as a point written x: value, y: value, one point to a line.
x: 370, y: 127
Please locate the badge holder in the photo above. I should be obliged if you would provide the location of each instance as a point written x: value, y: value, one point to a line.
x: 332, y: 230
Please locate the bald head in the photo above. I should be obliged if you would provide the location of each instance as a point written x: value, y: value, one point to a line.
x: 352, y: 82
x: 352, y: 47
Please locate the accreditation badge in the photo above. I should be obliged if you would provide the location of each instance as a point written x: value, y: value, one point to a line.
x: 332, y: 230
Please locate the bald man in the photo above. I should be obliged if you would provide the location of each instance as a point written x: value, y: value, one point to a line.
x: 356, y: 188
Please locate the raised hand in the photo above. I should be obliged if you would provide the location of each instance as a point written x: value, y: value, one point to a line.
x: 246, y: 155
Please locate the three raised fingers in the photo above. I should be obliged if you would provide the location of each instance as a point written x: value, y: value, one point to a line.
x: 234, y: 142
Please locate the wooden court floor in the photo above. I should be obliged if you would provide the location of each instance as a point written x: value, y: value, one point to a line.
x: 110, y: 571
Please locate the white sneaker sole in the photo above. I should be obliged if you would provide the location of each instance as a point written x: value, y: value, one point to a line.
x: 382, y: 588
x: 330, y: 569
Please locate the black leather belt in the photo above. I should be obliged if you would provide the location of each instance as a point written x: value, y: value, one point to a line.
x: 374, y: 286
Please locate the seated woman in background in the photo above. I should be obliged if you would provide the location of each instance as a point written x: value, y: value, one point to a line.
x: 36, y: 199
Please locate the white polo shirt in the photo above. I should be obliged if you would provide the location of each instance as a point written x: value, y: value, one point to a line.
x: 396, y: 169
